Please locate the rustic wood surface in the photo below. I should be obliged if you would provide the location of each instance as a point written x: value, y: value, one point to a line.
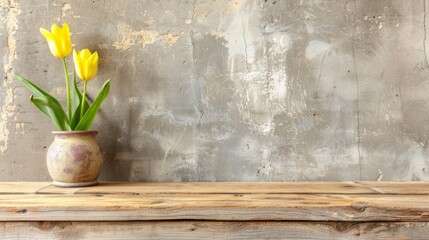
x: 213, y: 230
x: 309, y: 201
x: 402, y: 188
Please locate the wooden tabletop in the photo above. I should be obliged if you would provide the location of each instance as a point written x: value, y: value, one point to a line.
x: 305, y: 201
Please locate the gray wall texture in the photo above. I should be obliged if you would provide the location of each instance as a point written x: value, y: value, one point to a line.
x: 230, y: 90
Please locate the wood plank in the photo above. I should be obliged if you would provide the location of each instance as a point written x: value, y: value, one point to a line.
x: 213, y: 230
x: 243, y: 207
x: 404, y: 188
x: 309, y: 201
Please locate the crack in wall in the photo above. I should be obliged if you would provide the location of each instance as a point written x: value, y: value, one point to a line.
x: 425, y: 33
x: 357, y: 92
x: 197, y: 105
x: 193, y: 10
x: 197, y: 93
x: 244, y: 38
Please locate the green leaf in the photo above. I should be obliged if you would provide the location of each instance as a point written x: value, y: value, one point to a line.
x: 86, y: 121
x: 51, y: 109
x: 76, y: 103
x: 47, y: 104
x: 32, y: 87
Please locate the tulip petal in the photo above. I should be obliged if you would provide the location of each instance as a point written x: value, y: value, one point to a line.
x: 46, y: 34
x: 65, y: 40
x: 88, y: 69
x: 92, y: 66
x: 55, y: 30
x: 78, y: 64
x: 95, y: 64
x: 95, y: 60
x: 65, y: 30
x: 50, y: 38
x: 84, y: 54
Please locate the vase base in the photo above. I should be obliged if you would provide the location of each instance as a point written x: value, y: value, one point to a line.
x: 70, y: 185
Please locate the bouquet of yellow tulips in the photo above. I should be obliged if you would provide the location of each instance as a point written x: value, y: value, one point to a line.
x: 81, y: 112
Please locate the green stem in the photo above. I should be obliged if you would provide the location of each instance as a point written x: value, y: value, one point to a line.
x: 68, y: 90
x: 83, y: 100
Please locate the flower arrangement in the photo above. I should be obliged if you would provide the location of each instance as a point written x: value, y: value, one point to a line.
x: 80, y: 112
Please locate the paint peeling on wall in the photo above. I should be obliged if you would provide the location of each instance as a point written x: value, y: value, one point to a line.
x: 130, y: 38
x: 8, y: 107
x: 64, y: 8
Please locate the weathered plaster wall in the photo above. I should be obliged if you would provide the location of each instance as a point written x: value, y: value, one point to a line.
x: 230, y: 90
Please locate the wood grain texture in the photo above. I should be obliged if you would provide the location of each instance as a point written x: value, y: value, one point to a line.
x: 319, y: 201
x: 213, y: 230
x: 403, y: 188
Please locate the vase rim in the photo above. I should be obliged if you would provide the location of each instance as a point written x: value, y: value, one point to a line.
x: 87, y: 132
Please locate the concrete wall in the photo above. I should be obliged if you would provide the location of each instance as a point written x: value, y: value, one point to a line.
x: 230, y: 90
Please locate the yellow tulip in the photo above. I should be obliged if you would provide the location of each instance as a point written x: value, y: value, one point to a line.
x: 86, y: 64
x: 58, y: 40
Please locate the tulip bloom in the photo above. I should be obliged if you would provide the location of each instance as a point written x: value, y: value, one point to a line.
x: 58, y: 40
x: 86, y: 64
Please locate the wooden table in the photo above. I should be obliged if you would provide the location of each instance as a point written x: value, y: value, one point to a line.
x: 308, y: 210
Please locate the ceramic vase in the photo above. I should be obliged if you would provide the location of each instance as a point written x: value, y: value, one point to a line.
x: 74, y: 159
